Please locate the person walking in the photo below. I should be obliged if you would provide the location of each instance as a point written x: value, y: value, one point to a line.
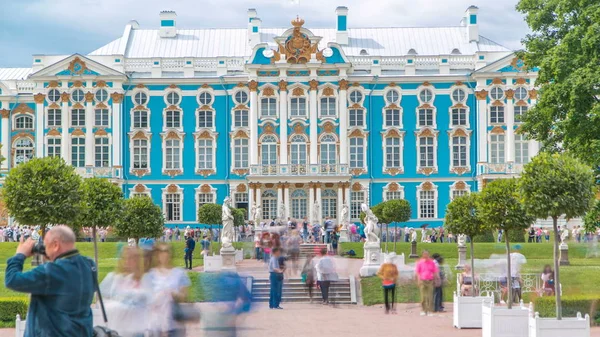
x: 190, y: 245
x: 388, y: 273
x: 325, y: 274
x: 205, y: 244
x: 438, y: 283
x: 275, y: 279
x: 308, y: 275
x: 425, y: 273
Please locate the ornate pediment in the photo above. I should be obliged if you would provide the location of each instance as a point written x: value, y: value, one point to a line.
x: 298, y: 46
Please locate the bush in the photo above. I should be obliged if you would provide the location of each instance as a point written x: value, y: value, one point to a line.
x: 487, y: 236
x: 515, y: 236
x: 11, y: 306
x: 571, y: 305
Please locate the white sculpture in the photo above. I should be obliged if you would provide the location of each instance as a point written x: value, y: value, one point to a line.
x: 252, y: 213
x: 281, y: 211
x: 423, y: 235
x: 316, y: 208
x: 344, y: 217
x: 228, y: 233
x: 370, y: 224
x: 461, y: 240
x: 257, y: 216
x: 413, y: 235
x: 564, y: 235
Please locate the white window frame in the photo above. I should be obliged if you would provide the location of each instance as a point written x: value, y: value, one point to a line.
x: 364, y: 151
x: 299, y: 205
x: 108, y: 117
x: 326, y: 145
x: 170, y: 109
x: 468, y: 145
x: 401, y: 152
x: 53, y: 91
x: 99, y: 91
x: 134, y: 93
x: 398, y: 90
x: 521, y: 114
x: 15, y: 150
x: 235, y: 147
x: 207, y: 91
x: 434, y: 190
x: 109, y: 147
x: 208, y: 112
x: 498, y: 107
x: 521, y: 87
x: 423, y: 88
x: 132, y: 152
x: 464, y: 90
x: 147, y: 192
x: 453, y: 190
x: 165, y: 193
x: 355, y: 205
x: 497, y: 87
x: 433, y: 116
x: 384, y: 112
x: 386, y: 191
x: 362, y: 113
x: 353, y: 90
x: 50, y: 139
x: 500, y: 149
x: 306, y: 150
x: 72, y: 96
x: 271, y: 159
x: 523, y: 144
x: 234, y: 94
x: 59, y: 115
x: 269, y: 198
x: 132, y: 116
x: 170, y: 92
x: 23, y: 115
x: 290, y: 104
x: 434, y: 149
x: 320, y: 99
x: 197, y: 154
x: 199, y: 194
x: 72, y: 120
x: 275, y: 97
x: 234, y: 124
x: 80, y: 147
x: 164, y: 156
x: 329, y: 202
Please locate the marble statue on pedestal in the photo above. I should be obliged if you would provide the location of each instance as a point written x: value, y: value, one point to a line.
x: 281, y: 211
x: 413, y: 235
x: 344, y: 217
x: 461, y: 240
x: 228, y: 233
x: 370, y: 224
x: 256, y: 215
x: 564, y: 235
x: 316, y: 208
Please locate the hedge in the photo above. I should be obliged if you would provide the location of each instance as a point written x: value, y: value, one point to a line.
x: 11, y: 306
x: 571, y: 305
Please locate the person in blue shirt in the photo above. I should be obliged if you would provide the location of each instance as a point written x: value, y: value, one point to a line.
x: 61, y: 290
x: 190, y: 245
x: 276, y: 279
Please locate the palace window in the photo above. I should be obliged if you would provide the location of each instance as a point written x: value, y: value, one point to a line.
x: 241, y: 97
x: 393, y: 117
x: 54, y: 147
x: 497, y: 149
x: 23, y: 150
x: 425, y: 117
x: 298, y: 108
x: 140, y: 98
x: 496, y: 93
x: 357, y: 198
x: 458, y: 193
x: 77, y: 96
x: 240, y: 118
x: 328, y: 150
x: 101, y: 95
x: 78, y: 117
x: 394, y: 195
x: 459, y: 151
x: 392, y: 97
x: 78, y: 151
x: 101, y: 117
x: 356, y: 97
x: 172, y: 207
x: 329, y: 202
x: 357, y: 117
x: 299, y: 204
x: 426, y: 96
x: 298, y: 150
x: 426, y: 204
x: 205, y: 119
x: 205, y: 154
x: 53, y: 95
x: 520, y: 93
x: 102, y: 152
x: 268, y: 151
x: 173, y: 98
x: 357, y: 152
x: 140, y: 154
x: 521, y: 149
x: 268, y: 107
x: 172, y: 154
x: 140, y: 119
x: 269, y: 205
x: 54, y: 117
x: 520, y: 112
x: 459, y: 96
x: 426, y: 152
x: 173, y: 119
x: 459, y: 117
x: 328, y: 106
x: 393, y: 152
x: 23, y: 122
x: 205, y: 198
x: 240, y: 153
x: 497, y: 114
x: 205, y: 98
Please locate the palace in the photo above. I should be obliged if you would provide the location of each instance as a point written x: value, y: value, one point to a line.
x: 287, y: 115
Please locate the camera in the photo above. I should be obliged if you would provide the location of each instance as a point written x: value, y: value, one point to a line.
x: 39, y: 248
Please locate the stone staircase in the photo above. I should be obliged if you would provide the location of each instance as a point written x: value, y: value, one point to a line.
x: 340, y: 292
x: 311, y: 248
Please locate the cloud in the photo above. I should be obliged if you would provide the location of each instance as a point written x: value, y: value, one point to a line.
x: 69, y: 26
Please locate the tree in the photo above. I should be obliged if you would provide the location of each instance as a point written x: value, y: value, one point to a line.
x: 463, y: 217
x: 396, y: 210
x: 591, y: 221
x: 564, y: 44
x: 554, y: 185
x: 239, y: 216
x: 43, y: 191
x: 500, y: 208
x: 141, y: 219
x: 101, y: 206
x: 210, y: 214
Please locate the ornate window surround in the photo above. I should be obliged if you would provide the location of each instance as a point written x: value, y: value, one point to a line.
x: 101, y: 133
x: 497, y: 130
x: 206, y: 134
x: 459, y: 186
x: 459, y: 105
x: 173, y: 89
x: 428, y: 186
x: 143, y: 107
x: 358, y: 133
x: 239, y: 134
x: 268, y: 91
x: 203, y: 189
x: 52, y: 134
x: 101, y: 105
x: 298, y: 90
x: 327, y: 91
x: 392, y: 187
x: 53, y: 106
x: 392, y: 105
x: 207, y: 107
x: 427, y: 132
x: 144, y: 135
x: 426, y: 105
x: 172, y: 189
x: 460, y: 132
x: 173, y: 134
x: 140, y: 189
x: 393, y: 133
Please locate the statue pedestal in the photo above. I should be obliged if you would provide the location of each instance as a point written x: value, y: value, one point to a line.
x: 344, y: 235
x: 564, y: 254
x: 413, y: 250
x: 372, y: 259
x: 228, y: 257
x: 462, y: 257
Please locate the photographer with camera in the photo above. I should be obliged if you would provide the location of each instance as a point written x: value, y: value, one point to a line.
x: 61, y: 290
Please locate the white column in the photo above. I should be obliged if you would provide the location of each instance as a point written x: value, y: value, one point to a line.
x: 5, y: 134
x: 482, y: 123
x: 311, y: 200
x: 253, y: 123
x: 340, y: 203
x: 534, y: 145
x: 283, y: 123
x: 89, y: 125
x: 251, y: 201
x: 343, y: 110
x: 39, y: 130
x: 65, y: 151
x: 319, y: 201
x: 279, y: 197
x: 347, y: 195
x: 288, y: 204
x: 509, y: 144
x: 313, y: 122
x: 117, y: 100
x: 258, y: 197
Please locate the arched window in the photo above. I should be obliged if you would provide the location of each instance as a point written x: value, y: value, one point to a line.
x: 329, y: 202
x: 299, y: 204
x: 298, y: 150
x: 269, y: 204
x: 23, y: 122
x: 328, y: 150
x: 23, y: 149
x: 268, y: 151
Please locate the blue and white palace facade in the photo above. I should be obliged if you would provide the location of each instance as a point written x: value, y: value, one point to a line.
x: 279, y: 115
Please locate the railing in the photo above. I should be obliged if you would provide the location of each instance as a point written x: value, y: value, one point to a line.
x: 491, y: 284
x: 25, y: 86
x: 299, y: 170
x: 510, y: 168
x: 99, y: 172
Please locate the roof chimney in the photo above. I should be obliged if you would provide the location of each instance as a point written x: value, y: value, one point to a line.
x: 254, y: 32
x: 341, y: 36
x: 470, y: 21
x: 251, y: 15
x: 167, y: 24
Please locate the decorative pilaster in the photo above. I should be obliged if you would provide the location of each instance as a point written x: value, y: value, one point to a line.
x: 313, y: 122
x: 534, y: 145
x: 286, y: 197
x: 283, y: 124
x: 65, y: 141
x: 311, y: 202
x: 318, y: 200
x: 117, y: 99
x: 280, y: 199
x: 340, y: 203
x: 482, y: 122
x: 5, y: 135
x: 509, y: 144
x: 89, y: 125
x: 253, y: 85
x: 343, y: 109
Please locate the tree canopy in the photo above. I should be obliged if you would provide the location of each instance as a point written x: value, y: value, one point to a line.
x: 43, y: 191
x: 591, y: 221
x: 141, y: 219
x: 210, y: 214
x: 462, y: 216
x: 563, y: 45
x: 101, y: 203
x: 396, y: 210
x: 501, y: 207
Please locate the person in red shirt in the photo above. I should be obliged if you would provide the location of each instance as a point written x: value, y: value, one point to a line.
x: 425, y: 272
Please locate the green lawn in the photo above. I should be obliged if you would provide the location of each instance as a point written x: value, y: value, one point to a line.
x: 581, y: 277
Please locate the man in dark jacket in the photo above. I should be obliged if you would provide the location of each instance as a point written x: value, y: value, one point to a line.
x: 61, y: 290
x: 190, y: 245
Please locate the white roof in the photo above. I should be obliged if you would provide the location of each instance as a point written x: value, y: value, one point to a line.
x: 14, y: 73
x: 145, y: 43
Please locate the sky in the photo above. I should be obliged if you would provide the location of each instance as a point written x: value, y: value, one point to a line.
x: 65, y: 27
